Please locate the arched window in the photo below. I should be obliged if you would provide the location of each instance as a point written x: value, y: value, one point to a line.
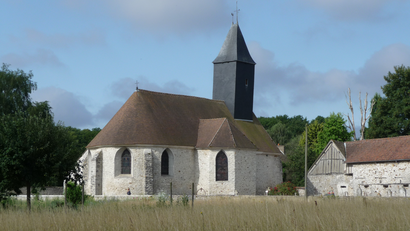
x: 221, y: 166
x: 165, y: 163
x: 126, y: 162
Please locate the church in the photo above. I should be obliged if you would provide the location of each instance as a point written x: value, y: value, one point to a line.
x: 218, y: 145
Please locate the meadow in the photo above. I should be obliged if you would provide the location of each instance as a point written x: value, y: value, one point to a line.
x: 215, y: 213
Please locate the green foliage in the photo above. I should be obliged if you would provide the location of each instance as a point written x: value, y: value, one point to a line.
x: 294, y: 125
x: 184, y: 200
x: 319, y: 134
x: 279, y: 133
x: 33, y: 149
x: 162, y: 198
x: 82, y: 137
x: 333, y: 129
x: 391, y: 114
x: 15, y: 88
x: 74, y: 193
x: 285, y: 188
x: 295, y: 166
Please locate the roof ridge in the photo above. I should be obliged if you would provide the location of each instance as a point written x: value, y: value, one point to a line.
x: 233, y: 137
x: 214, y: 118
x: 188, y: 96
x: 384, y: 138
x: 244, y: 133
x: 213, y: 138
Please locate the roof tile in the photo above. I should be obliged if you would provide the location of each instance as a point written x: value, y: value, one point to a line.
x: 378, y: 150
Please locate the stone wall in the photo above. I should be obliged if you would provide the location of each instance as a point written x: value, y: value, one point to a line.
x: 248, y: 173
x: 339, y: 184
x: 371, y: 179
x: 220, y: 187
x: 268, y: 172
x: 181, y: 172
x: 382, y: 179
x: 245, y: 172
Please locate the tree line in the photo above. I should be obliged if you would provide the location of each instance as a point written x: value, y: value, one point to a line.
x: 34, y: 150
x: 290, y: 132
x: 389, y: 117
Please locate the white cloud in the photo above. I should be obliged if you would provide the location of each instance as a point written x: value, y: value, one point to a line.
x: 161, y: 17
x: 39, y: 57
x: 170, y: 15
x: 354, y: 10
x: 59, y: 40
x: 65, y: 105
x: 296, y: 85
x: 124, y: 87
x: 108, y: 111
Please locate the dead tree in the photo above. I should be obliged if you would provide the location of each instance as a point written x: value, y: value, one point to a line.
x: 363, y: 111
x: 350, y: 121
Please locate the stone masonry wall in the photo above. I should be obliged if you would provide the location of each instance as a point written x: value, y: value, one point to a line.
x: 203, y: 177
x: 339, y: 184
x: 382, y: 179
x: 116, y: 183
x: 268, y: 172
x: 181, y: 173
x: 220, y: 187
x: 245, y: 172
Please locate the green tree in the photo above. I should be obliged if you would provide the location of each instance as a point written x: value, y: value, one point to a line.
x: 279, y: 133
x: 33, y: 149
x: 333, y: 129
x: 15, y: 89
x: 391, y: 114
x: 83, y: 138
x: 319, y: 134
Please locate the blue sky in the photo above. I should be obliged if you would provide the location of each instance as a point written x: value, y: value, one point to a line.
x: 86, y: 55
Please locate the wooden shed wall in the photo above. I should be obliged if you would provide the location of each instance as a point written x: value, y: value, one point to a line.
x: 331, y: 162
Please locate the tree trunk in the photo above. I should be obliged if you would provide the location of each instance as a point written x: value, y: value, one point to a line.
x: 28, y: 197
x: 351, y: 120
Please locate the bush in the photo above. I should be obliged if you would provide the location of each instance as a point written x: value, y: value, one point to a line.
x: 162, y: 198
x: 74, y: 193
x: 285, y: 188
x: 6, y: 200
x: 184, y: 200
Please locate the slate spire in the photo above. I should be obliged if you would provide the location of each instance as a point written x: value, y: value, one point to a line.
x: 234, y: 48
x: 234, y: 74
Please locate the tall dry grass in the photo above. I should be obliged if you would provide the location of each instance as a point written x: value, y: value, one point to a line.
x: 229, y: 213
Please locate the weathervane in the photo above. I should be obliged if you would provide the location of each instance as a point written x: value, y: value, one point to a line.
x: 136, y: 83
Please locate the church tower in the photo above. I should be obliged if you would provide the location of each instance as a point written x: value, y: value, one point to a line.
x: 234, y: 75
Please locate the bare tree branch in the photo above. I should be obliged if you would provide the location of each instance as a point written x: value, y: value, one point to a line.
x: 351, y: 120
x: 363, y: 113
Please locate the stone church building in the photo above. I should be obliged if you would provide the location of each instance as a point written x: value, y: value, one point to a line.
x: 375, y: 167
x: 218, y: 144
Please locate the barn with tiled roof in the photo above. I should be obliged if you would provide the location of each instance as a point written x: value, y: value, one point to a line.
x: 218, y: 144
x: 375, y: 167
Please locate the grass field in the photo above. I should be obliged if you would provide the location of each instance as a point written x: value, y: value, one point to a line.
x: 229, y: 213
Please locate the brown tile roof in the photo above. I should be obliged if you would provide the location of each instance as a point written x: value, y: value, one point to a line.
x: 378, y: 150
x: 221, y: 132
x: 154, y: 118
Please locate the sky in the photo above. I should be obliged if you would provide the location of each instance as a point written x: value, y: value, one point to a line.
x: 87, y: 55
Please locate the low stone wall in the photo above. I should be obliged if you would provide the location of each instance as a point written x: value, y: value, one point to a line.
x: 48, y: 191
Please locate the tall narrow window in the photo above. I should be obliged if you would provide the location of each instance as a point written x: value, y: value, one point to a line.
x: 221, y: 167
x: 165, y: 163
x: 126, y: 162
